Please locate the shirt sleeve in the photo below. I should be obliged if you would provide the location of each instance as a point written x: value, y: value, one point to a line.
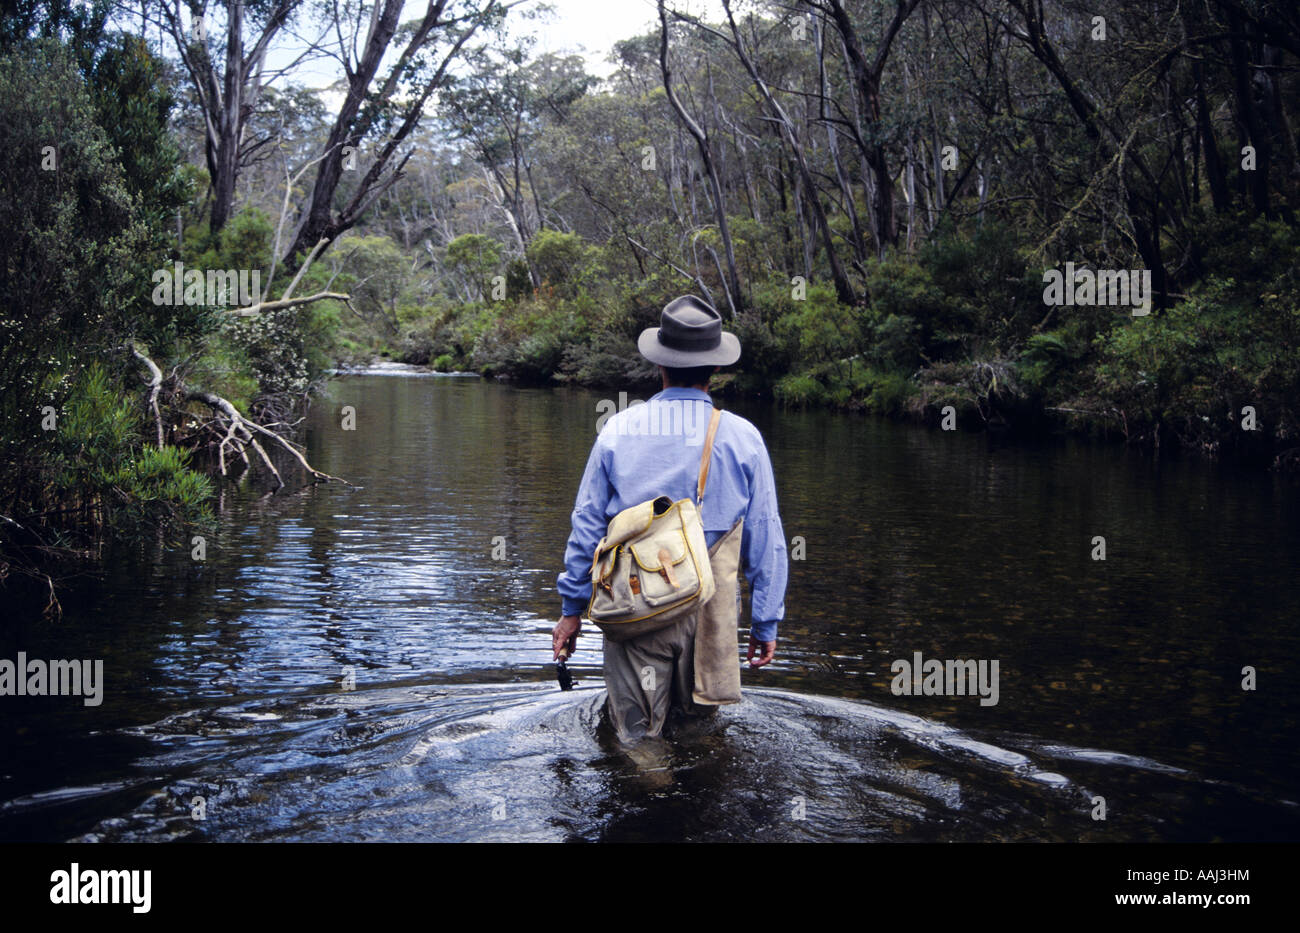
x: 588, y: 527
x: 763, y: 545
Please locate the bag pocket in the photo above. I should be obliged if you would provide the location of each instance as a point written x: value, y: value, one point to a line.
x: 664, y: 568
x: 612, y: 596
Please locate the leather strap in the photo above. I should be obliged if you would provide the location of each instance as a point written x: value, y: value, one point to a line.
x: 706, y: 455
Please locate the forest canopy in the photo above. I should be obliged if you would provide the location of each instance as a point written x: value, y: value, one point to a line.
x: 888, y: 202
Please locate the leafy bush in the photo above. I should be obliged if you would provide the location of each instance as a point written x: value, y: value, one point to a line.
x: 102, y: 465
x: 76, y: 238
x: 821, y: 329
x: 274, y: 347
x: 561, y: 260
x: 765, y: 356
x: 1228, y: 345
x: 985, y: 285
x: 890, y: 392
x: 1046, y: 356
x: 799, y: 389
x: 474, y: 258
x: 527, y: 341
x: 606, y: 359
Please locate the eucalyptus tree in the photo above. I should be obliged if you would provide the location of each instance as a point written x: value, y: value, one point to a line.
x: 499, y: 106
x: 867, y: 67
x: 391, y: 70
x: 735, y: 297
x: 228, y: 83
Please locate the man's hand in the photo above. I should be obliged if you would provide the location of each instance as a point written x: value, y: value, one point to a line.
x: 564, y: 637
x: 766, y: 651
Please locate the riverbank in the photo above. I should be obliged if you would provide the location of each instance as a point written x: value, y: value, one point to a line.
x: 960, y: 335
x: 976, y: 396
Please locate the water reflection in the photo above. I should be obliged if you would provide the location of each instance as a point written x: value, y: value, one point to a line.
x: 226, y: 680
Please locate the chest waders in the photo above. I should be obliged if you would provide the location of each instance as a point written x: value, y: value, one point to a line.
x: 691, y: 665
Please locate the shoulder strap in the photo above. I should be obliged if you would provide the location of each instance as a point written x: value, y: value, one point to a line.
x: 706, y: 455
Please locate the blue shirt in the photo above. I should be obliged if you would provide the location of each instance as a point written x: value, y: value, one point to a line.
x: 653, y: 449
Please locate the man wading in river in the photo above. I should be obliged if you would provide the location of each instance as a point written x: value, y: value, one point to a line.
x: 654, y: 450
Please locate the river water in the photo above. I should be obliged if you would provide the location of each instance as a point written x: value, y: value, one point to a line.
x: 373, y: 663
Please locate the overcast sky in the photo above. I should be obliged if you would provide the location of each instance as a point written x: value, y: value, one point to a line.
x: 590, y: 27
x: 595, y: 25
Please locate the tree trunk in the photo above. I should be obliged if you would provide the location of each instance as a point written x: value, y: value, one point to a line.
x: 734, y: 295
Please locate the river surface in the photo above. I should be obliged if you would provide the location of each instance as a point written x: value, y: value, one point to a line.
x: 373, y: 663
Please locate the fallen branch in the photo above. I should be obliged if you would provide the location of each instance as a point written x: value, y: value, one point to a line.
x: 53, y: 608
x: 311, y: 257
x: 236, y: 424
x: 267, y: 460
x: 239, y: 424
x: 155, y: 385
x: 241, y: 432
x: 277, y: 305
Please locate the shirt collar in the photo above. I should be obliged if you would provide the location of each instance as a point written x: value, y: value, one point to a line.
x: 682, y: 392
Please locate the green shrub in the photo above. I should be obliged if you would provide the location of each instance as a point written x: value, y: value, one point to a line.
x: 606, y: 359
x: 243, y: 243
x: 560, y: 259
x: 1234, y: 342
x: 820, y: 328
x: 1045, y: 356
x: 474, y: 258
x: 799, y: 389
x: 890, y: 392
x: 161, y: 491
x: 103, y: 464
x: 527, y: 341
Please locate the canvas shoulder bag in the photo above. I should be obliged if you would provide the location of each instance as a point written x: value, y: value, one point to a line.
x: 652, y: 567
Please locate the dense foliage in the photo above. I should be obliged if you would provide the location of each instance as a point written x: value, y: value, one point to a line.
x: 874, y: 194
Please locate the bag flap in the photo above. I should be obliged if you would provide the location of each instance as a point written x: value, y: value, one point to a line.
x: 646, y: 552
x: 629, y: 523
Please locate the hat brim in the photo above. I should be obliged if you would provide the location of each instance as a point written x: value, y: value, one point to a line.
x: 724, y: 354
